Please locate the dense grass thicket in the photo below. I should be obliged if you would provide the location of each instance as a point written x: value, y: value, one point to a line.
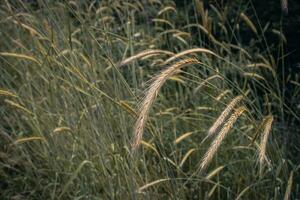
x: 141, y: 99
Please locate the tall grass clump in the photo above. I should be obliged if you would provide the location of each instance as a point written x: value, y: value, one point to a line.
x: 142, y: 100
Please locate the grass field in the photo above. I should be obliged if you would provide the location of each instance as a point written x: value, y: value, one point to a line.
x: 145, y: 100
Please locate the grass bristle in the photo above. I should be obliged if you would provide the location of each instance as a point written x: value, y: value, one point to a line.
x: 219, y: 138
x: 151, y: 95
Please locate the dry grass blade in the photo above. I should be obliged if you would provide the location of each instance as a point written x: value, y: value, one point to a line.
x: 289, y: 187
x: 150, y: 96
x: 128, y: 108
x: 140, y: 190
x: 163, y: 21
x: 196, y: 50
x: 145, y: 53
x: 185, y: 157
x: 182, y: 137
x: 165, y: 9
x: 254, y: 75
x: 262, y: 65
x: 180, y: 39
x: 224, y: 114
x: 263, y: 144
x: 31, y: 30
x: 248, y: 22
x: 211, y: 192
x: 16, y: 105
x: 28, y: 139
x: 74, y: 175
x: 220, y: 96
x: 243, y: 192
x: 149, y: 146
x: 22, y: 56
x: 214, y: 172
x: 242, y: 50
x: 280, y: 35
x: 207, y: 81
x: 217, y: 12
x: 61, y: 129
x: 177, y: 79
x: 209, y: 35
x: 218, y: 140
x: 7, y: 93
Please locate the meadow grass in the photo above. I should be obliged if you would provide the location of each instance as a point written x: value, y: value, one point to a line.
x: 142, y: 100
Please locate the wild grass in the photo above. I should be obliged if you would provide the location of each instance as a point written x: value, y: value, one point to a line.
x: 151, y: 94
x: 224, y: 114
x: 221, y: 135
x: 142, y: 100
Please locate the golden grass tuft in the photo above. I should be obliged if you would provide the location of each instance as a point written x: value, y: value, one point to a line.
x: 151, y: 94
x: 265, y: 136
x: 224, y: 114
x: 218, y: 140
